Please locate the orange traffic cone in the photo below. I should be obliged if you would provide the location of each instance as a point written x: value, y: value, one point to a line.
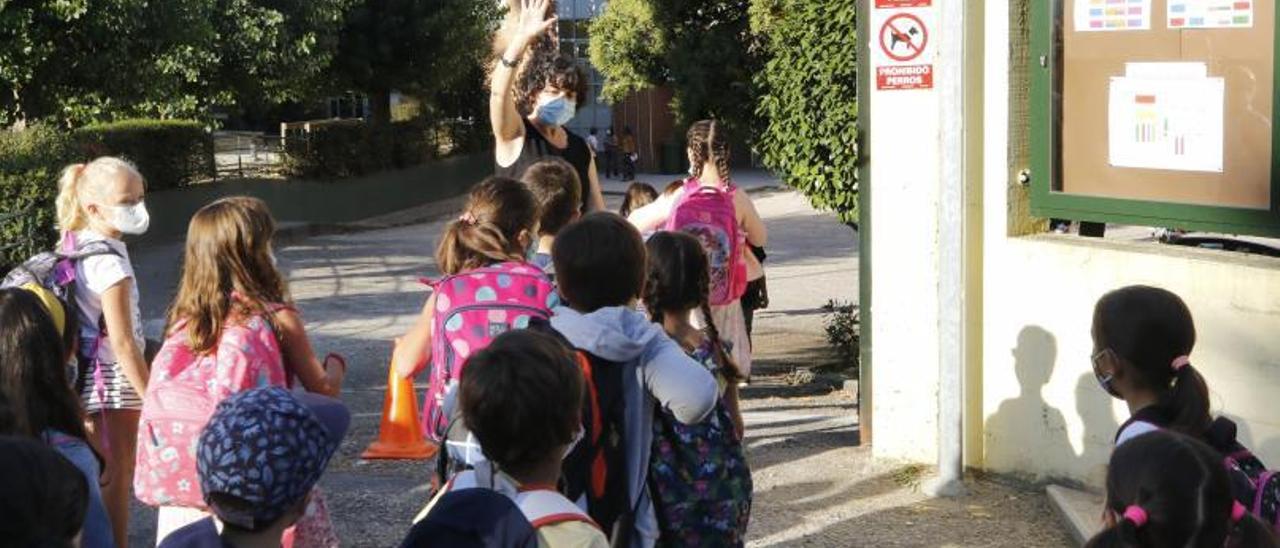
x: 400, y: 436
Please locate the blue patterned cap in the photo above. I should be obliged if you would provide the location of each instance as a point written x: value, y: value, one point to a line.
x: 264, y: 449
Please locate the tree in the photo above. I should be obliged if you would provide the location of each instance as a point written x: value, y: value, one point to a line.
x: 419, y: 47
x: 704, y: 50
x: 808, y: 99
x: 74, y: 61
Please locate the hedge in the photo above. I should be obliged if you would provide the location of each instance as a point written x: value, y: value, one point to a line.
x: 169, y: 153
x: 350, y: 148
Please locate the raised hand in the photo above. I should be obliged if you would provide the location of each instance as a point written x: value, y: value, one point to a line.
x: 534, y: 19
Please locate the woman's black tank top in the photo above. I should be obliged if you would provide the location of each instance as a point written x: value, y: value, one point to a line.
x: 536, y: 147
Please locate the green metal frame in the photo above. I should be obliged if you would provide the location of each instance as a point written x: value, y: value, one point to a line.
x: 1046, y: 202
x: 864, y: 224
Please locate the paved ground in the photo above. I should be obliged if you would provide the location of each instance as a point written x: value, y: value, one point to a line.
x: 358, y: 290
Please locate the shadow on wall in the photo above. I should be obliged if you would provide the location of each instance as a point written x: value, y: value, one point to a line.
x: 1094, y: 407
x: 1025, y: 432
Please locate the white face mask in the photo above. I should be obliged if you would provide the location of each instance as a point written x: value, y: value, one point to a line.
x: 130, y: 219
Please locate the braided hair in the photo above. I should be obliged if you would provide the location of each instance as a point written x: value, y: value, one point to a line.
x: 707, y: 143
x: 679, y: 280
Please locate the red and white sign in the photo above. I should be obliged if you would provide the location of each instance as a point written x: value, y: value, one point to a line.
x: 893, y: 4
x: 895, y: 77
x: 903, y: 37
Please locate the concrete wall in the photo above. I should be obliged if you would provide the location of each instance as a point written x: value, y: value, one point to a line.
x: 322, y: 202
x: 1044, y: 414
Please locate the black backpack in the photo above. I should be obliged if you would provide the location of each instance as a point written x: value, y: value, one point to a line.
x: 597, y: 467
x: 479, y: 518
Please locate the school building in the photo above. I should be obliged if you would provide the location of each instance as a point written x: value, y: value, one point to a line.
x: 982, y: 119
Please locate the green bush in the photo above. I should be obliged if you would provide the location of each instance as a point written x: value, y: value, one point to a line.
x: 809, y: 99
x: 169, y: 153
x: 840, y: 321
x: 30, y: 162
x: 350, y: 148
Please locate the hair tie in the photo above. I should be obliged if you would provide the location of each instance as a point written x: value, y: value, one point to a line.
x: 1180, y: 362
x: 1136, y: 514
x: 1237, y: 511
x: 467, y: 218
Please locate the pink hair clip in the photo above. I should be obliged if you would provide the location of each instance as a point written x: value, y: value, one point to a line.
x: 1180, y: 362
x: 467, y: 218
x: 1237, y: 511
x: 1136, y: 514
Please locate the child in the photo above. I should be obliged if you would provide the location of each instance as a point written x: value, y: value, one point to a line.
x: 521, y: 396
x: 488, y: 289
x: 101, y: 201
x: 710, y: 452
x: 231, y: 327
x: 1167, y: 489
x: 45, y: 497
x: 638, y: 195
x: 259, y: 460
x: 708, y: 188
x: 1142, y: 337
x: 555, y: 187
x: 635, y: 369
x: 34, y: 383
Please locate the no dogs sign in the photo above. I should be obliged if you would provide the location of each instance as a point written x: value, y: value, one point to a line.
x: 902, y: 43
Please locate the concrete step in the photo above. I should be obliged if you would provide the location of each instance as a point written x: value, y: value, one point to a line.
x: 1080, y: 511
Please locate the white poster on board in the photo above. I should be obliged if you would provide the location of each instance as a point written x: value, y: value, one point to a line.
x: 1112, y: 15
x: 1166, y: 124
x: 1210, y: 14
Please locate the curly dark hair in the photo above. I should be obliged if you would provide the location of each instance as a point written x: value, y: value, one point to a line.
x: 548, y: 68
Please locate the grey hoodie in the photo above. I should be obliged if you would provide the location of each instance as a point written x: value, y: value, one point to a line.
x: 663, y: 374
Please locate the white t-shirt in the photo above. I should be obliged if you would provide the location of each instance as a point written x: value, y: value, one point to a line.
x: 594, y: 143
x: 1133, y: 430
x: 95, y: 275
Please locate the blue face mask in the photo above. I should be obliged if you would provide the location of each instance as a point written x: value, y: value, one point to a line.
x: 556, y: 112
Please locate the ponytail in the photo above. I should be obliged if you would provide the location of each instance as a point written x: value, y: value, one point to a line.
x: 1188, y: 401
x: 469, y: 244
x: 728, y: 367
x: 498, y: 210
x: 70, y: 212
x: 707, y: 144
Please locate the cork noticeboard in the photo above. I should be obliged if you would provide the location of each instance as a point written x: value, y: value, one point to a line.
x: 1087, y: 63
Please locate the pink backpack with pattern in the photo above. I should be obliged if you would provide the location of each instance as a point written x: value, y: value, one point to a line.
x: 709, y: 215
x: 472, y: 309
x: 184, y: 390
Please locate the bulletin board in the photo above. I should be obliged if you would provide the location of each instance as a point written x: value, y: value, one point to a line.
x: 1156, y: 112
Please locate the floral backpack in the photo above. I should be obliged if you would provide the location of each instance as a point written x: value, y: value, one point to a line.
x: 698, y: 476
x: 472, y: 309
x: 184, y: 390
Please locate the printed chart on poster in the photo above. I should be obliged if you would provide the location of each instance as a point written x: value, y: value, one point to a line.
x: 1112, y: 15
x: 1166, y: 123
x: 1210, y: 14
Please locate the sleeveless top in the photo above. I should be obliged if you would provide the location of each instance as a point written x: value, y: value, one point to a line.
x: 536, y: 147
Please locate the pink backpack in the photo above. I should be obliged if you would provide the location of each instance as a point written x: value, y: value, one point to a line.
x: 708, y: 214
x: 472, y: 309
x: 184, y: 390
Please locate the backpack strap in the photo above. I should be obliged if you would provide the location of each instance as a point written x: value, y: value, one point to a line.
x: 598, y: 466
x: 545, y: 507
x: 1260, y: 492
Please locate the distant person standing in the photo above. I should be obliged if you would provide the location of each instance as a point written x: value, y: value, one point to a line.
x: 610, y: 154
x: 593, y: 141
x: 630, y: 154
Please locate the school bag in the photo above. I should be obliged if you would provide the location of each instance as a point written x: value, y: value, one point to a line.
x: 595, y: 470
x: 482, y: 509
x: 1252, y: 484
x: 52, y: 276
x: 708, y: 214
x: 699, y: 480
x: 183, y: 392
x: 472, y: 309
